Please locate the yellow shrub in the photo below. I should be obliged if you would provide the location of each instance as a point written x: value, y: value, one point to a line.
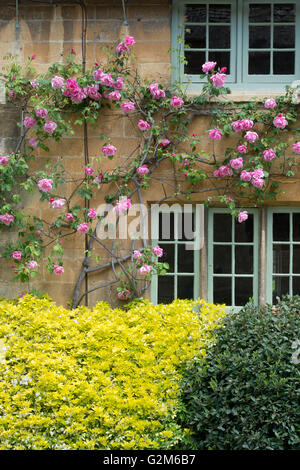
x: 96, y: 379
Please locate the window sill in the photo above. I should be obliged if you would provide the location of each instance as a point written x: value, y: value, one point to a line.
x: 244, y: 95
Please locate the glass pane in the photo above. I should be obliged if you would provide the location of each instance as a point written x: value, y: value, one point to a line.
x: 185, y: 260
x: 296, y: 285
x: 219, y: 37
x: 284, y: 63
x: 281, y: 227
x: 219, y: 13
x: 244, y: 232
x: 186, y: 226
x: 195, y: 36
x: 296, y: 259
x: 194, y: 62
x: 185, y: 287
x: 222, y: 290
x: 166, y: 226
x: 168, y: 255
x: 222, y: 59
x: 222, y: 227
x: 296, y: 227
x: 284, y: 13
x: 280, y: 287
x: 222, y: 259
x: 165, y: 289
x: 243, y: 290
x: 244, y: 259
x: 284, y: 37
x: 259, y: 63
x: 195, y: 13
x: 281, y: 258
x: 259, y: 37
x: 259, y: 13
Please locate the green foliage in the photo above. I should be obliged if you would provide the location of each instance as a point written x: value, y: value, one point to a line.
x: 97, y: 379
x: 246, y: 394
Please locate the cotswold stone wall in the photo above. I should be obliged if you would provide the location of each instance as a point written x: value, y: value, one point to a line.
x: 51, y: 32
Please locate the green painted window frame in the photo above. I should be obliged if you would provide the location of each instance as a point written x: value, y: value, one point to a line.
x: 239, y: 78
x: 155, y: 211
x: 211, y: 243
x: 271, y: 242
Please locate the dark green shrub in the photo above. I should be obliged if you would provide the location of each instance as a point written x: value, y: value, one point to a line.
x: 245, y: 395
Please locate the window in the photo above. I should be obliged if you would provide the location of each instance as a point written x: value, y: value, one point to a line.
x: 257, y: 41
x: 232, y: 258
x: 284, y: 252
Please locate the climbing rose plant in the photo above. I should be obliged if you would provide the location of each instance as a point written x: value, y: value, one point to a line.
x: 53, y: 105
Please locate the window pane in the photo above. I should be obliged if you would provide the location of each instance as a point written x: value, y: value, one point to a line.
x: 281, y: 227
x: 296, y: 227
x: 259, y: 37
x: 243, y: 290
x: 284, y: 63
x: 296, y: 285
x: 244, y: 259
x: 222, y: 259
x: 284, y: 13
x: 194, y: 62
x: 222, y: 59
x: 185, y: 260
x: 222, y: 290
x: 195, y: 36
x: 222, y: 227
x: 259, y: 63
x: 185, y: 287
x: 281, y: 258
x: 280, y: 287
x: 259, y: 13
x: 165, y: 289
x: 166, y: 226
x: 219, y: 37
x: 195, y: 13
x: 186, y: 226
x: 168, y: 255
x: 219, y: 13
x: 284, y: 37
x: 244, y: 232
x: 296, y: 259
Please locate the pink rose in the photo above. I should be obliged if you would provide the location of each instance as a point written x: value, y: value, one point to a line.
x: 83, y: 228
x: 69, y: 216
x: 242, y: 149
x: 237, y: 163
x: 97, y: 74
x: 58, y: 269
x: 237, y: 125
x: 143, y: 125
x: 92, y: 92
x: 270, y: 103
x: 29, y: 122
x: 119, y: 83
x: 145, y: 269
x: 242, y: 216
x: 45, y: 185
x: 158, y: 251
x: 269, y: 154
x: 128, y: 107
x: 129, y: 40
x: 296, y: 147
x: 50, y: 127
x: 208, y: 66
x: 4, y: 160
x: 32, y: 264
x: 114, y: 96
x: 58, y: 203
x: 124, y: 295
x: 34, y: 83
x: 122, y: 206
x: 176, y: 102
x: 109, y: 150
x: 92, y: 213
x: 41, y: 112
x: 98, y: 179
x: 17, y: 255
x: 251, y: 136
x: 245, y: 176
x: 280, y: 122
x: 218, y: 79
x: 164, y: 142
x: 258, y: 173
x: 215, y: 134
x: 121, y: 47
x: 247, y: 124
x: 137, y: 254
x: 12, y: 94
x: 142, y: 170
x: 33, y: 143
x: 107, y: 80
x: 89, y: 171
x: 57, y: 82
x: 223, y: 171
x: 156, y: 92
x: 7, y: 219
x: 258, y: 182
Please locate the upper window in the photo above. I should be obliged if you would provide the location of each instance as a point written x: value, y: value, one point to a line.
x: 257, y: 41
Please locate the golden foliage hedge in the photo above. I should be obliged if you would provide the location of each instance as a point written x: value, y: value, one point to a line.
x: 96, y: 379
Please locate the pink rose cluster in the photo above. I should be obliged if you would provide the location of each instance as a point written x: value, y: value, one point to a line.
x: 32, y: 264
x: 164, y: 142
x: 124, y: 294
x: 125, y: 45
x: 156, y: 92
x: 106, y: 79
x: 215, y: 134
x: 29, y: 122
x: 4, y: 160
x: 158, y: 251
x: 296, y: 147
x: 242, y: 125
x: 73, y: 91
x: 223, y: 171
x: 269, y: 154
x: 128, y: 107
x: 122, y: 206
x: 7, y: 219
x: 256, y: 177
x: 145, y: 269
x: 41, y: 112
x: 92, y: 91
